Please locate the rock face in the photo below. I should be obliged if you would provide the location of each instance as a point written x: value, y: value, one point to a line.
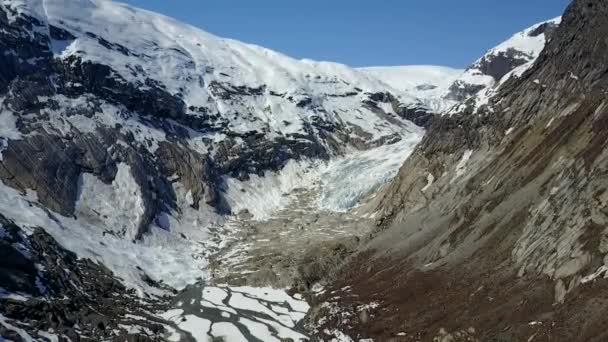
x: 74, y: 298
x: 503, y: 210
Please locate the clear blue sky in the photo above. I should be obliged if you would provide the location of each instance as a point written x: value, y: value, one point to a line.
x: 362, y: 33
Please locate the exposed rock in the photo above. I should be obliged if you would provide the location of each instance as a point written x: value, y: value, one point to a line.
x: 195, y: 172
x: 44, y: 164
x: 73, y: 298
x: 500, y: 64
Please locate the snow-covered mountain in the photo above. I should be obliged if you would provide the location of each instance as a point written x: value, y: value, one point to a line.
x: 480, y: 81
x: 228, y: 84
x: 450, y: 91
x: 171, y: 94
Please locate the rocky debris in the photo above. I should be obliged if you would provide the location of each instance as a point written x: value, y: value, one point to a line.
x: 296, y: 248
x: 322, y: 260
x: 56, y: 293
x: 474, y: 302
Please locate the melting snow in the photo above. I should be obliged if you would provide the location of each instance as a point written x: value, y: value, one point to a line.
x: 461, y: 168
x: 429, y: 181
x: 263, y: 313
x: 22, y: 333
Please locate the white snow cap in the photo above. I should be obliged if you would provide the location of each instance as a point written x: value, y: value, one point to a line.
x: 523, y: 42
x: 188, y: 62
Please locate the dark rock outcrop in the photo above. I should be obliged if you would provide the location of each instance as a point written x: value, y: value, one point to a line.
x: 74, y: 298
x: 197, y: 173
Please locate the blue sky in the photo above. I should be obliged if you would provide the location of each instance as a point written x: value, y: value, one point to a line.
x: 365, y: 33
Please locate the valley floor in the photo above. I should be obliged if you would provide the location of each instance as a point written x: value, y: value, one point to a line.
x: 283, y: 250
x: 293, y: 249
x: 249, y: 277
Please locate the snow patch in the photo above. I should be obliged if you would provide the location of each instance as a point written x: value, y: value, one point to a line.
x: 196, y: 326
x: 118, y: 206
x: 263, y: 196
x: 8, y: 129
x: 22, y: 333
x: 228, y: 331
x: 429, y: 181
x: 337, y: 336
x: 461, y: 168
x: 602, y: 271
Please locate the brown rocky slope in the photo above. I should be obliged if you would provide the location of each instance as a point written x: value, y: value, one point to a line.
x: 496, y: 227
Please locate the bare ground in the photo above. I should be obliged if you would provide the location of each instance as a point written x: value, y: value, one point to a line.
x: 298, y: 246
x: 480, y: 300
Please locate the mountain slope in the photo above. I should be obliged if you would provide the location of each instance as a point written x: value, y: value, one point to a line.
x: 496, y: 223
x: 212, y: 75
